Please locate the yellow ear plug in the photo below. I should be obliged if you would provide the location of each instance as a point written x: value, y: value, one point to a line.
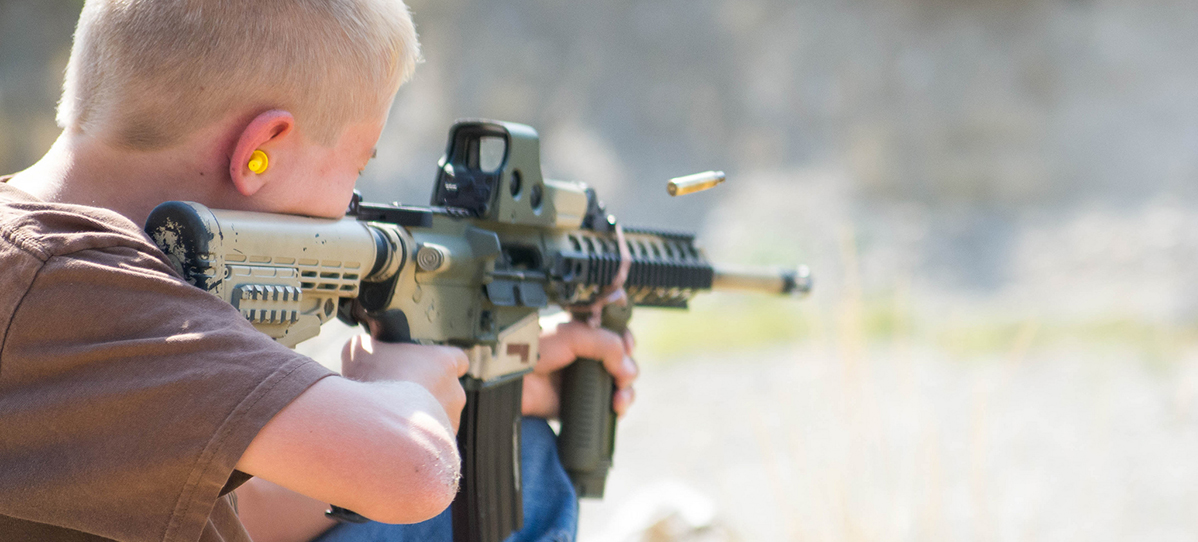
x: 258, y: 162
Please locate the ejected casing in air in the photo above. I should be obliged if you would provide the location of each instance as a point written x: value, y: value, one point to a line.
x: 698, y: 182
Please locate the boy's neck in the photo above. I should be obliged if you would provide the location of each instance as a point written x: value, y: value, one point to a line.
x: 82, y: 170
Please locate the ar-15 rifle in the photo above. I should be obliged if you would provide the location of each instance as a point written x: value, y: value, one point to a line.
x: 498, y: 244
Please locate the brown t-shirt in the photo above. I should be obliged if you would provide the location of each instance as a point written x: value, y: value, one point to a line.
x: 127, y: 396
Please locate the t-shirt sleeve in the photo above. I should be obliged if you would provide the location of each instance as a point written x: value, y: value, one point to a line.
x: 127, y: 396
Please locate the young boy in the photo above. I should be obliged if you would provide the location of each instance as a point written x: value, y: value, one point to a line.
x: 132, y: 404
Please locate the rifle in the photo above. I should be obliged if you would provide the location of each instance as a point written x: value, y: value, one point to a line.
x: 473, y: 270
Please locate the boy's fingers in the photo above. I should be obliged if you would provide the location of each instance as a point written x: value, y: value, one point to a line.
x: 622, y: 399
x: 455, y: 358
x: 626, y: 373
x: 583, y: 341
x: 462, y: 363
x: 629, y: 342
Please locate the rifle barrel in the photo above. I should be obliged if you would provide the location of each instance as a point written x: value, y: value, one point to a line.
x: 794, y: 282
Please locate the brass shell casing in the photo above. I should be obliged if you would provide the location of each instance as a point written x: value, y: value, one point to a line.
x: 698, y: 182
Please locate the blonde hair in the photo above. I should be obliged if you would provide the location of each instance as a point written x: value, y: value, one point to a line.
x: 146, y: 73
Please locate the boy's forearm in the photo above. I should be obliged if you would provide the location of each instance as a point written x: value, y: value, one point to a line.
x: 383, y: 449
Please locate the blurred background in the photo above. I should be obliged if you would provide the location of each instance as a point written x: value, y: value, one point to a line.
x: 996, y: 197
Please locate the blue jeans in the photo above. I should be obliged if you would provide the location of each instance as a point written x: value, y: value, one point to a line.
x: 550, y: 506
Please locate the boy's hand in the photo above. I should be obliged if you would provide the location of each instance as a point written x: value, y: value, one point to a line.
x: 570, y: 341
x: 436, y: 368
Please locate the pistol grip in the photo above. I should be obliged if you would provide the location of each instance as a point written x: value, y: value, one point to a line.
x: 389, y: 326
x: 588, y: 431
x: 587, y: 439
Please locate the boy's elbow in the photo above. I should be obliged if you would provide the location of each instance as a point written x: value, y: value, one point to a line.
x: 418, y: 502
x: 425, y: 491
x: 414, y: 509
x: 387, y: 450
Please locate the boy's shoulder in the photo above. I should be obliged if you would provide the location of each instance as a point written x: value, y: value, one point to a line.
x: 173, y: 381
x: 44, y: 230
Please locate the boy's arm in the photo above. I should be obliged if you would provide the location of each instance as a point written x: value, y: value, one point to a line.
x: 384, y: 448
x: 260, y: 502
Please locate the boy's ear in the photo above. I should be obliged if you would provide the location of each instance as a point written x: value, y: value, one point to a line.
x: 262, y: 133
